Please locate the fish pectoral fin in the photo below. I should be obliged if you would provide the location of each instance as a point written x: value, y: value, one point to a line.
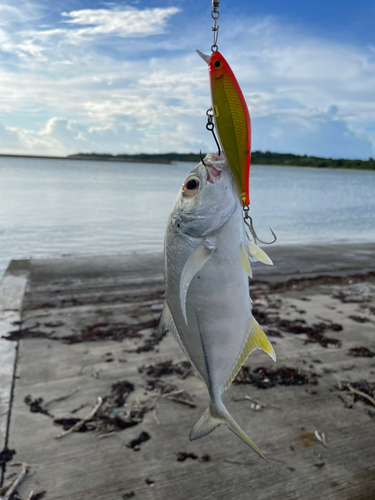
x: 245, y: 262
x: 167, y: 324
x: 256, y: 253
x: 194, y: 263
x: 256, y: 339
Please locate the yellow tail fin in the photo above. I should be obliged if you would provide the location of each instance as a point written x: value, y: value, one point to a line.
x: 209, y: 422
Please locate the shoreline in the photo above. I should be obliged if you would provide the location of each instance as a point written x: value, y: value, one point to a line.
x: 289, y: 262
x: 114, y: 160
x: 169, y: 162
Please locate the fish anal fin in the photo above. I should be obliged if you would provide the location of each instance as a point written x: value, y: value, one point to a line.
x: 256, y: 339
x: 194, y: 263
x: 245, y: 262
x: 256, y: 253
x: 167, y: 324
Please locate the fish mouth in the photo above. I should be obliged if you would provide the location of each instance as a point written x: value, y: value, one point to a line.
x: 213, y: 174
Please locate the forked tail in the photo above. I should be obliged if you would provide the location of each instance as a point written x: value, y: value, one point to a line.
x: 212, y: 418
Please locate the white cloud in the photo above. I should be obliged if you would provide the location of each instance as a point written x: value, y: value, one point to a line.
x: 20, y: 11
x: 59, y: 137
x: 86, y: 24
x: 305, y: 94
x: 125, y: 23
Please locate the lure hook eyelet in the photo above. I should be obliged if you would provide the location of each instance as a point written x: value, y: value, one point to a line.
x: 210, y: 127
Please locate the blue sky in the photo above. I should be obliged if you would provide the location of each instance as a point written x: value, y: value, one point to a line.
x: 124, y: 77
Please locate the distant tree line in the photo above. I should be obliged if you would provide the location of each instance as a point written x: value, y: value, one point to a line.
x: 268, y: 158
x: 257, y: 158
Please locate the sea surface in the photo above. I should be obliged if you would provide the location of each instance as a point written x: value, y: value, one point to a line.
x: 67, y: 207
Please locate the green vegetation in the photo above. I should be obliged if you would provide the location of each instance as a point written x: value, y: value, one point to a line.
x: 286, y: 159
x: 140, y: 157
x: 257, y: 158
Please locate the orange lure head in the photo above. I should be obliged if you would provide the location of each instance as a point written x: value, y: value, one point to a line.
x: 232, y: 120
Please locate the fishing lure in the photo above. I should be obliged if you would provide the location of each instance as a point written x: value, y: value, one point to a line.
x: 232, y: 120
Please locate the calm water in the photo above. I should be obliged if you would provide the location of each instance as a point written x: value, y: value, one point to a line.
x: 55, y: 207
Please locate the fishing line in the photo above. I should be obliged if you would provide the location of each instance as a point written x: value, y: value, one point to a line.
x: 210, y: 126
x: 215, y: 14
x: 215, y: 28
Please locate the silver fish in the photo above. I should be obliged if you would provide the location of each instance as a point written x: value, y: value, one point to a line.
x: 208, y: 306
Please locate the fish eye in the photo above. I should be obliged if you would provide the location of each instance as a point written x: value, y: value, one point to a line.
x: 191, y: 185
x: 217, y: 64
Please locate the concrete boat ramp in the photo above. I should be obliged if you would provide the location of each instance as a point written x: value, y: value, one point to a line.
x: 79, y: 340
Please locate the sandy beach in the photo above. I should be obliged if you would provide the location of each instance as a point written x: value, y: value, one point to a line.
x: 86, y: 347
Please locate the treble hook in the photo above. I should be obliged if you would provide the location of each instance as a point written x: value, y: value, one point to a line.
x: 202, y: 160
x: 249, y: 223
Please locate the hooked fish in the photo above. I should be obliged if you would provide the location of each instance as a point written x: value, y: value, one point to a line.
x: 232, y: 119
x: 208, y: 306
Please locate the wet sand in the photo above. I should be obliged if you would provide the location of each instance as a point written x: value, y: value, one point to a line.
x: 88, y: 331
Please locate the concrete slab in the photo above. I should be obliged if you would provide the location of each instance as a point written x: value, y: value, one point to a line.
x: 64, y: 303
x: 12, y: 290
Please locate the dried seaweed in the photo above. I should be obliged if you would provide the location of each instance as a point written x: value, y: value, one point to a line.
x: 114, y: 414
x: 6, y: 455
x: 166, y: 368
x: 182, y: 456
x: 151, y: 342
x: 27, y: 333
x: 67, y: 423
x: 367, y: 388
x: 359, y: 319
x: 38, y: 496
x: 264, y: 378
x: 142, y: 438
x: 97, y: 332
x: 35, y: 405
x: 302, y: 283
x: 170, y: 391
x: 315, y: 333
x: 274, y: 333
x: 55, y: 324
x: 263, y: 318
x: 109, y: 331
x: 361, y: 352
x: 161, y: 386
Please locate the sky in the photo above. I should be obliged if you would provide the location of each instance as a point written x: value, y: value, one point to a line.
x: 123, y: 77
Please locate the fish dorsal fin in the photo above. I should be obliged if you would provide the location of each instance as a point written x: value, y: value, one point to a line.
x: 256, y: 253
x: 194, y: 263
x: 167, y: 324
x: 256, y: 339
x: 245, y: 262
